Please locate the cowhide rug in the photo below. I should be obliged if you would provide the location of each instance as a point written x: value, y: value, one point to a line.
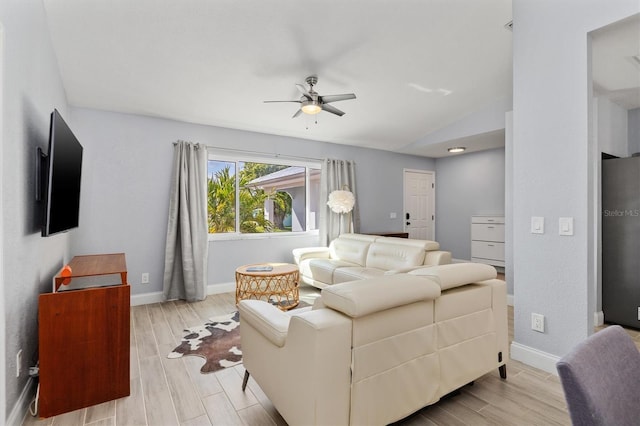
x: 217, y: 341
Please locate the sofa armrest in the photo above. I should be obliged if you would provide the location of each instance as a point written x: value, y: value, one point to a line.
x: 300, y: 254
x: 270, y: 321
x: 319, y: 338
x: 437, y: 257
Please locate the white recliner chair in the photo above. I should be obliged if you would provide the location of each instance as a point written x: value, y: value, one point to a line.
x: 376, y: 350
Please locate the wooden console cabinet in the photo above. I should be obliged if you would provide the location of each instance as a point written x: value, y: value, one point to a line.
x: 391, y: 234
x: 84, y: 336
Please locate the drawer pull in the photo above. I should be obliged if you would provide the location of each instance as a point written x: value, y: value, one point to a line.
x: 490, y: 245
x: 490, y: 227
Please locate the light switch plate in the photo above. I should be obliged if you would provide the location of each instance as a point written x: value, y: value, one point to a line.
x: 566, y: 226
x: 537, y: 225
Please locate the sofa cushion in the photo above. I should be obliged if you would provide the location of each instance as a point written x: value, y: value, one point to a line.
x: 425, y: 244
x: 359, y: 298
x: 300, y: 254
x: 351, y: 250
x: 386, y: 256
x: 457, y: 274
x: 322, y: 269
x: 353, y: 273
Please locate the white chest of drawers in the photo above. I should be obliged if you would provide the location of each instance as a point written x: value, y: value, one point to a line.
x: 487, y: 240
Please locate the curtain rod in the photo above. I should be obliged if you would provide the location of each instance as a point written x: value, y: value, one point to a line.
x: 271, y: 154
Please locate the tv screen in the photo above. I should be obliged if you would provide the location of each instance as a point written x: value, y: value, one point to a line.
x: 63, y: 172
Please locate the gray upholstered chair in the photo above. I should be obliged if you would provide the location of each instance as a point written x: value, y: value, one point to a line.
x: 601, y: 379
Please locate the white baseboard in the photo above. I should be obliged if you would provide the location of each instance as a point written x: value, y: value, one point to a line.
x: 598, y: 318
x: 534, y: 357
x: 21, y: 408
x: 147, y: 298
x: 221, y: 288
x: 158, y: 296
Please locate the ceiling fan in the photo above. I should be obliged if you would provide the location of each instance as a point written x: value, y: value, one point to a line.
x: 312, y: 103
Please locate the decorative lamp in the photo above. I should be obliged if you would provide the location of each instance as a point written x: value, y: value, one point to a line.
x: 341, y: 201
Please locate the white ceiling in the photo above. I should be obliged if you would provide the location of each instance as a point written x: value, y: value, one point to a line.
x: 616, y: 62
x: 414, y: 65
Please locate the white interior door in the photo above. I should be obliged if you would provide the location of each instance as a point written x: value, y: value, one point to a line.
x: 419, y: 204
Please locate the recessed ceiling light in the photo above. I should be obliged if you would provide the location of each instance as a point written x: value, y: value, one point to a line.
x: 457, y: 149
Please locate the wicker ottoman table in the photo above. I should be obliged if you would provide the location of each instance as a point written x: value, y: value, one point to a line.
x: 276, y: 283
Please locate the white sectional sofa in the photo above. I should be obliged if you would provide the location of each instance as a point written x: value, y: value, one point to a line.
x: 357, y: 256
x: 372, y: 352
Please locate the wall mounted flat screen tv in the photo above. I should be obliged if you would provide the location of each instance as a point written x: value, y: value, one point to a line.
x: 61, y: 173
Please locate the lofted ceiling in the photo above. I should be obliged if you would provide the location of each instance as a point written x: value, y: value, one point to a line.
x: 416, y: 66
x: 616, y: 62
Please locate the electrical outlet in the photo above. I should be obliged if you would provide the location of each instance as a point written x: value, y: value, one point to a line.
x: 19, y: 363
x: 537, y: 322
x: 145, y: 278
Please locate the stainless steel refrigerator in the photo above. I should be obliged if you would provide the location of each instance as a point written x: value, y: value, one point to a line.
x: 621, y: 241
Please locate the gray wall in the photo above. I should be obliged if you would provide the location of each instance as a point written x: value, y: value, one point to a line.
x: 32, y: 88
x: 125, y: 190
x: 553, y: 170
x: 634, y: 130
x: 612, y: 128
x: 467, y: 185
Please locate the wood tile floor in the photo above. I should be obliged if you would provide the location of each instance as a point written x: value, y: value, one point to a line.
x: 174, y: 392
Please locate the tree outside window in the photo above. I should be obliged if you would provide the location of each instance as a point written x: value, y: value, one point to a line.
x: 270, y: 197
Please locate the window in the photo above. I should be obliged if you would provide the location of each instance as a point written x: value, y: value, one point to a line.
x: 254, y: 196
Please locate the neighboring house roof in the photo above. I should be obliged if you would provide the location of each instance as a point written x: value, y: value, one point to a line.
x: 291, y: 177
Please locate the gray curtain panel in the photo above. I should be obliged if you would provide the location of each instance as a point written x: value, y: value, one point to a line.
x: 337, y: 174
x: 185, y: 264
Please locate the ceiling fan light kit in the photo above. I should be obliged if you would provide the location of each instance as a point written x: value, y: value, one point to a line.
x: 312, y: 103
x: 310, y: 107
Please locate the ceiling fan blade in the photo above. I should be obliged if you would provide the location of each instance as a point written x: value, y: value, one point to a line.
x: 298, y: 112
x: 334, y: 98
x: 332, y: 110
x: 304, y: 91
x: 268, y: 102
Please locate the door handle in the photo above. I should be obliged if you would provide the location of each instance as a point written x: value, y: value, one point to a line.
x: 408, y: 216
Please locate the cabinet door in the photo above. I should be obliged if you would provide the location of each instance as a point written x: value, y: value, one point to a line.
x: 487, y: 232
x: 487, y: 250
x: 487, y: 219
x: 84, y: 348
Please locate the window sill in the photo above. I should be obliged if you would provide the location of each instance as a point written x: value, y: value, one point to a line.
x: 234, y: 236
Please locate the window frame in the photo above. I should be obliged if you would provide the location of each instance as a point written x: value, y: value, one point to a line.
x: 214, y: 155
